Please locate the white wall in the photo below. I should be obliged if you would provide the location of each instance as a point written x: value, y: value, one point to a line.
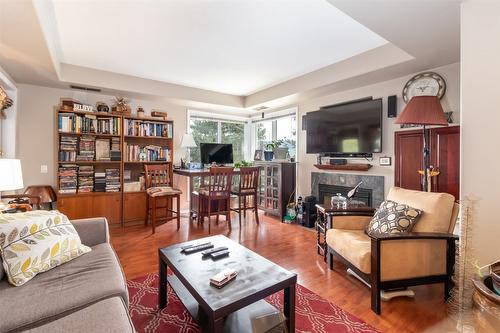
x: 37, y: 128
x: 480, y: 93
x: 450, y: 102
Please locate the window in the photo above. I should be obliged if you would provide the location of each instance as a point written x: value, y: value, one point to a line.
x: 282, y: 129
x: 234, y: 133
x: 217, y: 131
x: 263, y: 134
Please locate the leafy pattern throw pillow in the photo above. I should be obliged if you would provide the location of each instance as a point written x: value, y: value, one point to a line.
x: 393, y: 218
x: 36, y: 241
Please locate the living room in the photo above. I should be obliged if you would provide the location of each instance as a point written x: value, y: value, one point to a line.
x: 153, y: 127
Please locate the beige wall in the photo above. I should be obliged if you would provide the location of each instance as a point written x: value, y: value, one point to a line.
x: 480, y: 92
x: 450, y: 102
x: 36, y: 128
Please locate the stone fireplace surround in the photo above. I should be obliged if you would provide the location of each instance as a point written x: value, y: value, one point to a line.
x: 374, y: 183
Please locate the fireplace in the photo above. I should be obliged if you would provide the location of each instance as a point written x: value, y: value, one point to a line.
x: 329, y: 183
x: 326, y: 192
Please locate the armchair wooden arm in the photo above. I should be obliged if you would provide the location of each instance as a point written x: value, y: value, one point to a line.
x: 376, y: 269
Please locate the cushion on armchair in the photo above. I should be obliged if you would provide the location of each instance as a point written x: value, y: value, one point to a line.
x: 393, y: 218
x: 35, y: 242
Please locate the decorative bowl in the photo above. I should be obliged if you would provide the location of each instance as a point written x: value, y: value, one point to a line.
x: 495, y: 276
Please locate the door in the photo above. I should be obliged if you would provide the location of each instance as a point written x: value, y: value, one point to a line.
x: 445, y: 157
x: 408, y: 147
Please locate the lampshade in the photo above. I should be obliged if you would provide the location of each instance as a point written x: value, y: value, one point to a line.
x: 11, y: 176
x: 423, y: 110
x: 188, y: 141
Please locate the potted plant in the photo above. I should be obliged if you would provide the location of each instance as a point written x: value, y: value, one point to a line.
x: 269, y: 152
x: 242, y: 164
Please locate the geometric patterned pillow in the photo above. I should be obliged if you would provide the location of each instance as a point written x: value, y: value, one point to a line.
x: 393, y: 218
x: 35, y: 242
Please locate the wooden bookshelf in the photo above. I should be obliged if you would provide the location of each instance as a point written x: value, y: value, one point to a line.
x: 134, y: 202
x: 131, y: 205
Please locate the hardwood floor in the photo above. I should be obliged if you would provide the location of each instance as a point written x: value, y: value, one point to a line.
x: 292, y: 247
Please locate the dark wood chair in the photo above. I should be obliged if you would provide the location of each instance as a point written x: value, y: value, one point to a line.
x: 159, y: 185
x: 215, y: 198
x: 247, y: 187
x: 38, y: 196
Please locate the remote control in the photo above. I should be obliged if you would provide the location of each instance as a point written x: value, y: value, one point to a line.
x: 219, y: 254
x: 215, y: 249
x: 197, y: 248
x: 192, y: 245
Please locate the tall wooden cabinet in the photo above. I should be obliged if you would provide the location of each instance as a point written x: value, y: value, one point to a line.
x: 444, y: 157
x: 276, y: 186
x: 140, y: 140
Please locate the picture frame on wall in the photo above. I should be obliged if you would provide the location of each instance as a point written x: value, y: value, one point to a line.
x: 258, y: 155
x: 385, y: 161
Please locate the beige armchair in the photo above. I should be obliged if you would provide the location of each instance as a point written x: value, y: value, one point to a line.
x: 424, y: 256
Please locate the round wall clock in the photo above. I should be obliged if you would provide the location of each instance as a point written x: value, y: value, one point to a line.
x: 424, y: 84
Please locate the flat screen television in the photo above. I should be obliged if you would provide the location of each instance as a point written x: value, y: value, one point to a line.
x: 351, y: 128
x: 219, y: 153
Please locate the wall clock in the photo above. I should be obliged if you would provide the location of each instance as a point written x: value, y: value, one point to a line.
x: 424, y: 84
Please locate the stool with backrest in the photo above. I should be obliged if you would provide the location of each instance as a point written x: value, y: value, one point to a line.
x: 215, y: 198
x: 159, y: 185
x: 247, y: 187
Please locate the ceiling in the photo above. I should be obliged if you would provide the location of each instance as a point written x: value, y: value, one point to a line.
x: 225, y: 53
x: 233, y: 47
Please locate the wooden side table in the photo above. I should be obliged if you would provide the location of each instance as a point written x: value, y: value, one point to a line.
x: 326, y: 214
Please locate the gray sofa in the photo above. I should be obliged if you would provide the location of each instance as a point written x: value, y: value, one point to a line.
x: 87, y: 294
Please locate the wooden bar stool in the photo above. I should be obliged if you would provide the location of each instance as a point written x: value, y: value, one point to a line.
x: 159, y: 185
x: 216, y: 198
x: 248, y: 186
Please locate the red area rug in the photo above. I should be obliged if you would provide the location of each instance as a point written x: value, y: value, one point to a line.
x: 313, y: 313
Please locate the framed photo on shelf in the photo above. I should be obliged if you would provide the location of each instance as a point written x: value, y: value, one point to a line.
x: 258, y: 155
x: 385, y: 161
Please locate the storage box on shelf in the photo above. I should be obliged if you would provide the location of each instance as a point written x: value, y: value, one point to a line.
x: 95, y: 150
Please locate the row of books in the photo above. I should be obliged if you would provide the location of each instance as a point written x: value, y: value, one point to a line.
x: 68, y: 148
x: 81, y: 179
x: 73, y: 123
x: 136, y: 153
x: 148, y: 128
x: 88, y: 148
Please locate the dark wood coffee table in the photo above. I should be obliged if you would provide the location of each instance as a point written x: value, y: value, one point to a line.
x: 257, y: 278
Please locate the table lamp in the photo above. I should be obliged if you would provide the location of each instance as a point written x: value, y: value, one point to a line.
x: 187, y: 142
x: 11, y: 176
x: 423, y: 110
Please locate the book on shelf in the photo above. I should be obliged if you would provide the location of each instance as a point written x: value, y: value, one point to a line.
x: 68, y: 148
x: 148, y: 153
x: 99, y: 181
x: 115, y: 152
x: 68, y: 178
x: 85, y: 178
x: 74, y: 123
x: 86, y: 148
x: 148, y: 128
x: 102, y: 150
x: 112, y: 180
